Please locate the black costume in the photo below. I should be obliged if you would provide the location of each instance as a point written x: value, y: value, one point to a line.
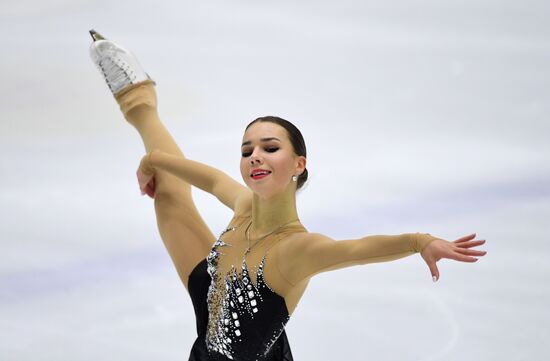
x: 247, y: 321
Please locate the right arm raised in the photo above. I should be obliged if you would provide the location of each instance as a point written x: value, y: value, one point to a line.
x: 200, y: 175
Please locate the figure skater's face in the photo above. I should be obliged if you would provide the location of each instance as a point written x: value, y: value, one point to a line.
x: 266, y: 146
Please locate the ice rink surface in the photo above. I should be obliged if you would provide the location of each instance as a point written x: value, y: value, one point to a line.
x: 425, y: 116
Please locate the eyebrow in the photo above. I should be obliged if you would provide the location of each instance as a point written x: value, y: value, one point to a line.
x: 262, y: 139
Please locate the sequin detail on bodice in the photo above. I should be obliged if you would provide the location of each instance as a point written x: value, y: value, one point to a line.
x: 245, y: 319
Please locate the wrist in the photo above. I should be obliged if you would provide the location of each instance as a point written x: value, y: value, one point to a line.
x: 421, y: 241
x: 150, y: 160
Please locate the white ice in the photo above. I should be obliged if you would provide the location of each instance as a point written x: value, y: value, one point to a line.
x: 426, y: 116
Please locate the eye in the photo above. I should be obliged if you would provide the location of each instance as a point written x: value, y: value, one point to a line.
x: 269, y: 149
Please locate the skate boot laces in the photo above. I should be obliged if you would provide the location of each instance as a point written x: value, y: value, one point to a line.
x: 119, y: 67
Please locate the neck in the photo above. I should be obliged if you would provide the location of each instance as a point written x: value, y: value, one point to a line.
x: 268, y: 214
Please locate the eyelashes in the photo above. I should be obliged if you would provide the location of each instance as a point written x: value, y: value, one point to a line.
x: 269, y: 150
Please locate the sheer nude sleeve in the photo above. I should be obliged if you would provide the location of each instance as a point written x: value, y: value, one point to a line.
x: 315, y: 253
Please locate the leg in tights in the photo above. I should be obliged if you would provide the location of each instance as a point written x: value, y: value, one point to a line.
x: 183, y: 231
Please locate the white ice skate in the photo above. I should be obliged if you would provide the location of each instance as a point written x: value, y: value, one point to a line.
x: 119, y: 67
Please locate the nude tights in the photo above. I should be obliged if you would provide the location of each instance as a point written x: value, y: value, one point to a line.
x: 182, y: 229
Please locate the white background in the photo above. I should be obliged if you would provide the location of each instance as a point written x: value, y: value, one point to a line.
x: 426, y: 116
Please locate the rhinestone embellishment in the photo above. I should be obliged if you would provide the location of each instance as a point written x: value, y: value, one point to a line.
x: 238, y: 326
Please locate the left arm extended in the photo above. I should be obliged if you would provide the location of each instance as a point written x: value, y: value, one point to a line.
x: 319, y: 253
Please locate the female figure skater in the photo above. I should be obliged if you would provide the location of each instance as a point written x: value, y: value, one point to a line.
x: 245, y: 284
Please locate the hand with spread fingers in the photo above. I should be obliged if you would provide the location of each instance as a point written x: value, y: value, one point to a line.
x: 458, y: 250
x: 146, y: 175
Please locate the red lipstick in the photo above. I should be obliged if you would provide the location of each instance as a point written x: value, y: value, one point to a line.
x: 259, y: 173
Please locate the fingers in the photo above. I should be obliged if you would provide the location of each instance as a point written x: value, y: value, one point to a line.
x: 470, y: 252
x: 460, y: 257
x: 145, y: 175
x: 466, y: 238
x: 470, y: 243
x: 146, y: 184
x: 434, y: 271
x: 458, y: 251
x: 142, y: 178
x: 143, y: 187
x: 150, y: 190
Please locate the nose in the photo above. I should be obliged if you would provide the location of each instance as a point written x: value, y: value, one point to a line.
x: 254, y: 158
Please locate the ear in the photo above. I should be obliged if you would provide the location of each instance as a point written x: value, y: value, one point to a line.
x: 300, y: 164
